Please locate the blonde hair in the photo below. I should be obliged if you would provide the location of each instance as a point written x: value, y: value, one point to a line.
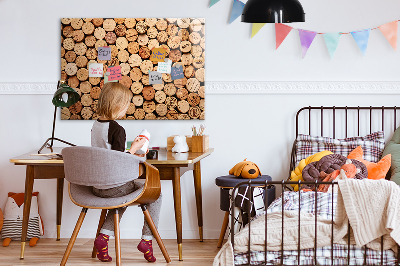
x: 113, y: 98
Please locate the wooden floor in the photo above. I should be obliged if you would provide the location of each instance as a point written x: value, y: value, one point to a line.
x: 50, y: 252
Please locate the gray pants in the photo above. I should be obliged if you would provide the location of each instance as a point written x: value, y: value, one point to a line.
x: 154, y: 208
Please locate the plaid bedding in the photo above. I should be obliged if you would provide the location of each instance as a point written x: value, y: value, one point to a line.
x: 322, y: 207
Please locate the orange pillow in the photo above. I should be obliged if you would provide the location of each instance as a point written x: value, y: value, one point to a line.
x: 375, y: 170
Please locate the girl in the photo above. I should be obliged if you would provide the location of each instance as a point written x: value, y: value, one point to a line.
x: 106, y: 133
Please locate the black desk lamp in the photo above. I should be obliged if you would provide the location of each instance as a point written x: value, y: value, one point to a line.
x: 58, y: 101
x: 273, y: 11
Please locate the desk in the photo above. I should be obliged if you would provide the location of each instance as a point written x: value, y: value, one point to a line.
x: 169, y: 165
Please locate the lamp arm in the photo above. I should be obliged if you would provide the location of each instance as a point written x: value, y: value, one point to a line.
x: 54, y: 127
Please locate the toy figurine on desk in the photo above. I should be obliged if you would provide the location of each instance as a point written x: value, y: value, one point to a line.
x: 180, y: 144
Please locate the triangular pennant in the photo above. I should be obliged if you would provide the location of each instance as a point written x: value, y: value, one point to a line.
x: 389, y: 30
x: 213, y: 2
x: 237, y: 8
x: 281, y: 31
x: 256, y: 27
x: 332, y: 41
x: 361, y: 37
x: 306, y: 39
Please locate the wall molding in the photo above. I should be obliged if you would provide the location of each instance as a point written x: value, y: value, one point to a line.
x: 250, y: 87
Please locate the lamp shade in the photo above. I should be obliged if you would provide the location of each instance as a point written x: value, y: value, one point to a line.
x: 72, y: 98
x: 273, y: 11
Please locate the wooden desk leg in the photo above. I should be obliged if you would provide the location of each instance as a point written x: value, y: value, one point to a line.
x: 60, y: 190
x: 176, y: 182
x: 27, y: 206
x: 199, y: 204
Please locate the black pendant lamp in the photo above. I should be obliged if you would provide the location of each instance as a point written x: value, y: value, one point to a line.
x: 273, y: 11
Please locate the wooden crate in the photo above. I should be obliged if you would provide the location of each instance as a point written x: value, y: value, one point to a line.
x: 200, y: 143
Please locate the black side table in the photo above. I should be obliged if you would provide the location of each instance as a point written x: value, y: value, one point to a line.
x: 226, y: 183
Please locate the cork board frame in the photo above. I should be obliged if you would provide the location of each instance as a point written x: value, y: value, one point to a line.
x: 131, y: 41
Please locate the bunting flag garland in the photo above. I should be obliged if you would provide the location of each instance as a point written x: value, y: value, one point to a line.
x: 281, y: 31
x: 213, y: 2
x: 306, y: 39
x: 237, y: 8
x: 256, y: 27
x: 389, y: 30
x: 332, y: 41
x: 361, y: 37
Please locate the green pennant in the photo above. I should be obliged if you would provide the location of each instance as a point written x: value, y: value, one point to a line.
x: 213, y: 2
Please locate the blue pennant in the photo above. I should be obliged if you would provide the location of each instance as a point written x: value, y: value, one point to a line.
x: 237, y: 9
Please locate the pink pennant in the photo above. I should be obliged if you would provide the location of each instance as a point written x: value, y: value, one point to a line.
x: 389, y: 30
x: 281, y: 31
x: 306, y: 39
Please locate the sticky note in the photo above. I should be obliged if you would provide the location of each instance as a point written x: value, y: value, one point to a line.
x: 95, y: 70
x: 177, y: 72
x: 164, y: 67
x: 104, y: 53
x: 158, y: 55
x: 155, y: 77
x: 115, y: 73
x: 106, y: 75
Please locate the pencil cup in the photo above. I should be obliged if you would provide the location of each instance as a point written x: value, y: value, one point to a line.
x: 200, y: 143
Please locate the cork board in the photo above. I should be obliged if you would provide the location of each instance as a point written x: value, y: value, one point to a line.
x: 132, y: 41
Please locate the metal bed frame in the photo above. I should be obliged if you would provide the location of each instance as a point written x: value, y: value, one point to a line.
x: 284, y: 184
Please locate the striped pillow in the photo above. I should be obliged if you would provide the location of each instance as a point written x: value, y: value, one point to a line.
x: 13, y: 228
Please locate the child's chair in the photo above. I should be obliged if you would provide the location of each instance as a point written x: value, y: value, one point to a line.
x: 85, y: 167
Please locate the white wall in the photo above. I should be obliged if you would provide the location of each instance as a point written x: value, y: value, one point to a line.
x: 259, y: 127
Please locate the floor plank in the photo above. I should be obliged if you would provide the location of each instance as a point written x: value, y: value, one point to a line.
x: 49, y: 252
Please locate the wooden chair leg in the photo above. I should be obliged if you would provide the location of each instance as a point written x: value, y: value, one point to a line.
x: 73, y: 237
x: 117, y: 239
x: 101, y: 222
x: 154, y: 230
x: 223, y: 229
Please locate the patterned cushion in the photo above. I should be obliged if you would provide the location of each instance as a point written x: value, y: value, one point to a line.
x: 372, y: 144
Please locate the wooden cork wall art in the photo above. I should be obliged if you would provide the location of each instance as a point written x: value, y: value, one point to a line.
x: 161, y: 60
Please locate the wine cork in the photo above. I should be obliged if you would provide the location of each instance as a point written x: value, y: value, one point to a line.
x: 85, y: 87
x: 123, y: 56
x: 149, y: 106
x: 63, y: 74
x: 76, y: 23
x: 113, y: 62
x: 80, y: 48
x: 148, y: 93
x: 100, y: 43
x: 183, y: 23
x: 122, y: 43
x: 172, y: 30
x: 183, y: 106
x: 109, y: 24
x: 126, y: 81
x: 119, y: 20
x: 198, y: 62
x: 137, y: 100
x: 70, y: 56
x: 86, y: 100
x: 135, y: 74
x: 166, y: 77
x: 110, y: 37
x: 88, y: 28
x: 158, y: 87
x: 143, y: 40
x: 152, y: 32
x: 68, y: 31
x: 130, y: 117
x: 71, y: 69
x: 187, y: 59
x: 200, y: 73
x: 131, y: 109
x: 130, y: 22
x: 162, y: 36
x: 141, y: 27
x: 65, y: 21
x: 145, y: 66
x: 185, y: 46
x: 166, y: 48
x: 68, y: 44
x: 133, y: 47
x: 150, y: 116
x: 202, y: 116
x: 196, y: 50
x: 194, y: 37
x: 203, y: 42
x: 75, y: 117
x: 189, y: 71
x: 131, y: 35
x: 193, y: 85
x: 161, y: 109
x: 65, y: 113
x: 161, y: 24
x: 183, y: 117
x: 82, y: 74
x: 86, y: 113
x: 160, y: 96
x: 193, y: 99
x: 175, y: 55
x: 180, y: 83
x: 97, y: 22
x: 91, y: 53
x: 170, y: 89
x: 196, y: 25
x: 95, y: 92
x: 202, y: 104
x: 114, y: 51
x: 145, y: 80
x: 62, y: 51
x: 99, y: 33
x: 93, y: 106
x: 81, y: 61
x: 90, y: 41
x: 194, y: 112
x: 153, y: 43
x: 171, y: 102
x: 172, y: 115
x: 171, y: 20
x: 137, y: 88
x: 101, y: 85
x: 94, y: 80
x: 135, y: 60
x: 183, y: 34
x: 76, y: 108
x: 125, y: 69
x: 150, y: 22
x: 73, y: 82
x: 201, y: 91
x: 174, y: 42
x: 139, y: 114
x: 144, y: 52
x: 182, y: 93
